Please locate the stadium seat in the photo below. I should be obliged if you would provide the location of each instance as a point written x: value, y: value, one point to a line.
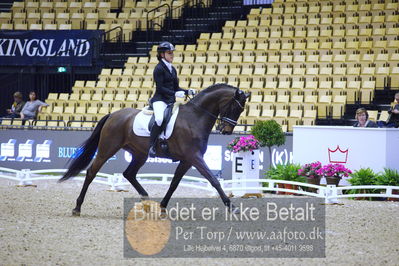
x: 373, y: 115
x: 295, y: 118
x: 307, y: 52
x: 324, y: 106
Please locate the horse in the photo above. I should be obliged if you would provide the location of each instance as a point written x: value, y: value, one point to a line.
x: 187, y: 144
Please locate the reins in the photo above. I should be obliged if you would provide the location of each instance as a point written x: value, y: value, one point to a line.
x: 221, y: 118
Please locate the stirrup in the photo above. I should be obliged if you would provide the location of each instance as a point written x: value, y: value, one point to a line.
x: 152, y: 152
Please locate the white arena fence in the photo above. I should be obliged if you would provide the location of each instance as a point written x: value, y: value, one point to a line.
x: 116, y: 182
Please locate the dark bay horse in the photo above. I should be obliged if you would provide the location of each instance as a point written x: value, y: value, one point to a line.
x: 187, y: 144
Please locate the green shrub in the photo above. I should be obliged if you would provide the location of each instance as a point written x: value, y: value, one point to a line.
x: 287, y: 172
x: 389, y: 177
x: 363, y: 177
x: 269, y: 133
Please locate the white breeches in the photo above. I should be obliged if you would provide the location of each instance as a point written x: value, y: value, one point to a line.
x: 159, y: 109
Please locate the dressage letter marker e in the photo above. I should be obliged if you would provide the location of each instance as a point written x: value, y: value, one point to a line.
x: 238, y: 164
x: 245, y: 166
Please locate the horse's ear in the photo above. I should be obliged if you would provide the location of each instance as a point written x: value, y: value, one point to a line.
x: 238, y: 93
x: 247, y: 95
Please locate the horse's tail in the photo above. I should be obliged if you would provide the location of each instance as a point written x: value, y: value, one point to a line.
x: 85, y: 152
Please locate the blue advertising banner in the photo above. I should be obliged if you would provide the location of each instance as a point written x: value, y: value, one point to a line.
x: 49, y: 47
x: 49, y: 149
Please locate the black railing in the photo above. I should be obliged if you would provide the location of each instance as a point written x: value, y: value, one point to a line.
x: 183, y: 22
x: 117, y: 38
x: 156, y: 20
x: 163, y: 21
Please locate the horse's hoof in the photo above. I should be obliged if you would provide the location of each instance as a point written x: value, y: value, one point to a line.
x: 163, y: 213
x: 75, y: 213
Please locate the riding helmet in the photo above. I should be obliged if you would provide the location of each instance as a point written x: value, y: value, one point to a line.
x: 163, y: 47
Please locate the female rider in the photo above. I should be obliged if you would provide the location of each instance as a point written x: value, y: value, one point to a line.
x: 167, y: 89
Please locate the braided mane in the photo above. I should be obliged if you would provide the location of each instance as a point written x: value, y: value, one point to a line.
x: 212, y: 88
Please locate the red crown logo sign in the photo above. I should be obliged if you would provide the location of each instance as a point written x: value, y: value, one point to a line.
x: 338, y: 155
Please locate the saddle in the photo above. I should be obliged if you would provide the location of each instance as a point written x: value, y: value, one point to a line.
x: 170, y: 111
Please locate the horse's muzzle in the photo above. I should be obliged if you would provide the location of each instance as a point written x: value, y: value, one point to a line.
x: 227, y: 130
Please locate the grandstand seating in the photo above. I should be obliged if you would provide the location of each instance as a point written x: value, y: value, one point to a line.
x: 83, y: 14
x: 302, y: 60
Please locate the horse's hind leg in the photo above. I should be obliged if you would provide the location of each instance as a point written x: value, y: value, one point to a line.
x: 97, y: 163
x: 131, y: 172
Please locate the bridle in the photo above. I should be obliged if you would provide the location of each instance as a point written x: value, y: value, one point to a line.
x: 221, y: 118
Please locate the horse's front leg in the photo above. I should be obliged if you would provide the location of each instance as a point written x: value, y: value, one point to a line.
x: 181, y: 169
x: 200, y: 164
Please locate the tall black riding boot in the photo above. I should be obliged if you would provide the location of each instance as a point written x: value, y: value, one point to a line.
x: 155, y: 131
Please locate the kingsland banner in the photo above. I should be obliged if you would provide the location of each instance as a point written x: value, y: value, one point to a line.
x: 49, y: 47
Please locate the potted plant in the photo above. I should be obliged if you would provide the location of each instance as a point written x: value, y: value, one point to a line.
x: 246, y: 150
x: 389, y: 177
x: 269, y: 133
x: 309, y: 172
x: 287, y: 172
x: 243, y: 144
x: 363, y: 176
x: 333, y: 173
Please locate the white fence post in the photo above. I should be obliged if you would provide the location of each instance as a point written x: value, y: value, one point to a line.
x: 25, y: 177
x: 164, y: 179
x: 271, y: 185
x: 111, y: 182
x: 114, y: 181
x: 331, y: 194
x: 389, y: 192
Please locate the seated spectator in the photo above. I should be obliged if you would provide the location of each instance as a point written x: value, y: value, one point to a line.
x: 32, y: 107
x: 362, y: 118
x: 393, y: 120
x: 16, y: 107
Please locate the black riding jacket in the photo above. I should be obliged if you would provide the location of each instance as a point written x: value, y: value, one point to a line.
x: 167, y: 84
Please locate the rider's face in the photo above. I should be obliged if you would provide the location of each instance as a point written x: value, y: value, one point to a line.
x: 168, y: 55
x: 362, y: 118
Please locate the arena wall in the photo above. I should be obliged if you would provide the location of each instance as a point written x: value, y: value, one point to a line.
x: 46, y: 149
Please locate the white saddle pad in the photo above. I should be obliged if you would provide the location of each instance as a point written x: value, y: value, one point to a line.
x: 140, y: 124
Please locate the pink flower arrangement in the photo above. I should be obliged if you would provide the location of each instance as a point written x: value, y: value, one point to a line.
x: 336, y: 170
x: 310, y: 170
x: 247, y: 143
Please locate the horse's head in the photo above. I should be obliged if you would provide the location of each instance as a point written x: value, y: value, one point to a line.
x: 231, y: 111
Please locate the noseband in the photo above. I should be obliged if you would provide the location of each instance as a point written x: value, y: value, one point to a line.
x: 231, y: 121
